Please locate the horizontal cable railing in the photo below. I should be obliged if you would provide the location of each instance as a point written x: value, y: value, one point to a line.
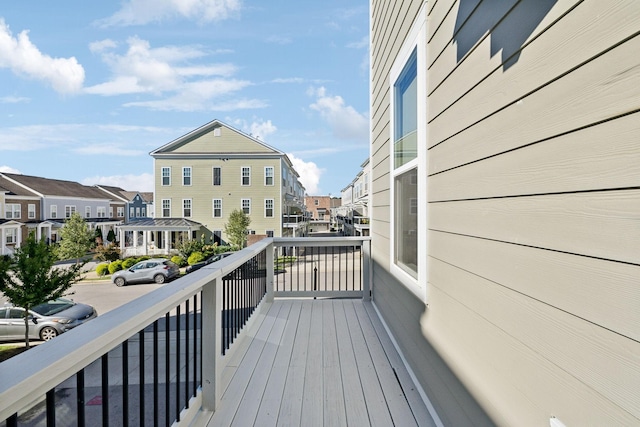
x: 158, y: 360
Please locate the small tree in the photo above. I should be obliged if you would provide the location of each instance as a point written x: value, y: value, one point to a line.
x: 29, y: 279
x: 76, y: 238
x: 237, y: 227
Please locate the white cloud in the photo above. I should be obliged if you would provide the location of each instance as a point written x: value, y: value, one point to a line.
x: 161, y: 72
x: 13, y: 99
x: 258, y: 128
x: 344, y: 120
x: 139, y: 12
x: 361, y: 44
x: 65, y: 75
x: 142, y: 182
x: 309, y: 173
x: 9, y: 169
x: 278, y: 40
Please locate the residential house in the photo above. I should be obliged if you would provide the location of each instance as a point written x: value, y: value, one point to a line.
x: 204, y: 175
x: 353, y: 214
x: 128, y: 205
x: 42, y: 205
x: 505, y: 234
x: 318, y: 212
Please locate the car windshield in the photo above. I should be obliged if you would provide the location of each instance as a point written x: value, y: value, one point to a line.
x: 50, y: 308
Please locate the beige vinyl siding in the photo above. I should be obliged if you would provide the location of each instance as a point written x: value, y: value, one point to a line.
x: 229, y: 141
x: 202, y: 191
x: 533, y: 210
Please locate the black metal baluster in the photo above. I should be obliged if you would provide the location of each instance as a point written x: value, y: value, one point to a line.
x: 186, y: 354
x: 178, y: 363
x: 12, y: 421
x: 105, y: 389
x: 80, y: 412
x: 195, y: 344
x: 51, y: 408
x: 167, y: 367
x: 125, y: 383
x: 141, y: 405
x: 156, y: 373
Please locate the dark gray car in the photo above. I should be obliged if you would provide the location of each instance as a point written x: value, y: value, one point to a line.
x: 46, y: 321
x: 157, y: 270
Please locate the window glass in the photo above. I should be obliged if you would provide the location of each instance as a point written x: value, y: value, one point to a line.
x: 186, y: 205
x: 186, y: 176
x: 246, y: 176
x: 166, y: 208
x: 406, y: 222
x: 217, y: 175
x: 268, y: 208
x: 405, y: 145
x: 268, y: 175
x: 246, y: 206
x: 166, y: 176
x: 217, y: 208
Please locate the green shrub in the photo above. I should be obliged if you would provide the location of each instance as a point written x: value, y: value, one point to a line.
x: 102, y: 269
x: 178, y: 260
x: 221, y: 249
x: 115, y: 266
x: 195, y: 257
x: 128, y: 263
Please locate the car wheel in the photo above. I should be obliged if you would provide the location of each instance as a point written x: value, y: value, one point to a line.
x: 159, y: 279
x: 48, y: 333
x: 119, y: 281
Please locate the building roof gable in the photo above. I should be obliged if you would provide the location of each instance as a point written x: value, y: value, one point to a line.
x: 216, y: 138
x: 35, y: 185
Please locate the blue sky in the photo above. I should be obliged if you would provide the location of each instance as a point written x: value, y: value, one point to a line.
x: 86, y: 92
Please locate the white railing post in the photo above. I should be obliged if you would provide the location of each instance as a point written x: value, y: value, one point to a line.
x: 211, y: 344
x: 366, y: 270
x: 270, y: 271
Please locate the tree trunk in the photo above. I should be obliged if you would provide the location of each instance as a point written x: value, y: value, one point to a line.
x: 26, y: 329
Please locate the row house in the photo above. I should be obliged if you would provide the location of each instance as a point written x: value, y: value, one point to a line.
x: 132, y: 205
x: 41, y: 205
x: 201, y: 177
x: 352, y: 217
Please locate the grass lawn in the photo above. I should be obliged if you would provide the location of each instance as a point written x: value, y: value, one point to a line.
x: 10, y: 350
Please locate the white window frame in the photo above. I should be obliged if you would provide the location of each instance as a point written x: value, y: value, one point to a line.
x: 213, y: 208
x: 186, y: 202
x: 31, y: 211
x: 163, y: 176
x: 213, y: 176
x: 187, y: 175
x: 110, y: 211
x: 242, y: 176
x: 166, y: 202
x: 268, y: 175
x: 12, y: 211
x: 267, y: 232
x: 69, y: 210
x: 53, y: 211
x: 11, y: 236
x: 132, y: 212
x: 242, y: 203
x: 101, y: 212
x: 266, y: 208
x: 120, y: 211
x: 416, y: 41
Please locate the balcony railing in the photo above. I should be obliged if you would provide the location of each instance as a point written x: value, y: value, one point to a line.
x: 159, y: 360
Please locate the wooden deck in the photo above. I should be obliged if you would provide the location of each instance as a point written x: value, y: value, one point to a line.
x: 319, y: 363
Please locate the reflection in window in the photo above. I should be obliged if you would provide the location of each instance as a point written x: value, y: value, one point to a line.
x: 406, y: 222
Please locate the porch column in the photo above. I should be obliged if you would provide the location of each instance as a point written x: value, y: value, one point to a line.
x: 144, y: 242
x: 167, y: 243
x: 121, y: 233
x: 3, y: 242
x: 19, y: 237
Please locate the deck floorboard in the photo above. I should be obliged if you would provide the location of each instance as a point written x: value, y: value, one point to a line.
x: 325, y: 362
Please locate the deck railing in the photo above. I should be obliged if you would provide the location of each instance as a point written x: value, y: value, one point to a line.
x: 158, y: 360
